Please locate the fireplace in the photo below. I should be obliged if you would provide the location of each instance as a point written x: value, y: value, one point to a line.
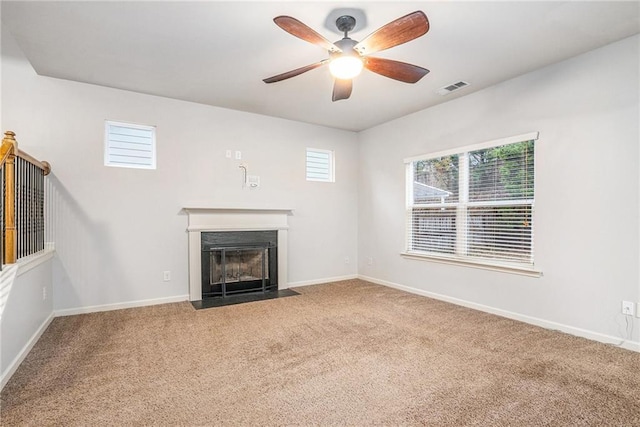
x: 239, y: 262
x: 240, y: 234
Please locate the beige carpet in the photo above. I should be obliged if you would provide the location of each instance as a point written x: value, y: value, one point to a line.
x: 345, y: 353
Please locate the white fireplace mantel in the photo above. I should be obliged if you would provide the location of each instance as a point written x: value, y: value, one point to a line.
x: 234, y: 219
x: 202, y: 219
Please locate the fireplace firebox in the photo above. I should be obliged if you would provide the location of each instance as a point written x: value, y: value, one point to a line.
x: 239, y: 262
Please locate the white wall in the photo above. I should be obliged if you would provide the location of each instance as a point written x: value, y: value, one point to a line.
x: 26, y: 314
x: 116, y: 230
x: 587, y: 192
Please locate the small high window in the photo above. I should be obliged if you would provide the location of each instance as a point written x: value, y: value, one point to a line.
x: 129, y: 145
x: 320, y: 165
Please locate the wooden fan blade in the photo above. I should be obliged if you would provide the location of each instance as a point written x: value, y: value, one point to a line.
x: 341, y: 89
x: 400, y: 31
x: 396, y: 70
x: 295, y: 72
x: 302, y: 31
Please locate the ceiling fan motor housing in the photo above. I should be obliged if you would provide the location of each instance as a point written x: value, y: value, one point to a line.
x: 346, y: 46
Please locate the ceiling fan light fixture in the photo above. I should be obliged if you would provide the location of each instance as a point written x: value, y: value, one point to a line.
x: 345, y: 67
x: 348, y: 57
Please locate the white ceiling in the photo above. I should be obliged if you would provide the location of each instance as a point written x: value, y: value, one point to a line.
x: 217, y: 53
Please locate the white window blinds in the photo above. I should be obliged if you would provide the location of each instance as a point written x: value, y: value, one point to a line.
x: 129, y: 145
x: 320, y: 165
x: 474, y: 205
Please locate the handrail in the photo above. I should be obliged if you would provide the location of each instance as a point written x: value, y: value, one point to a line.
x: 10, y: 146
x: 23, y: 191
x: 45, y: 166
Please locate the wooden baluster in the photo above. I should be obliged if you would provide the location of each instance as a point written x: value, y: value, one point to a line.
x: 2, y: 168
x: 9, y: 149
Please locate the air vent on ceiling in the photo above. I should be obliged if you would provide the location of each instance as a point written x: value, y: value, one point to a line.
x: 452, y: 87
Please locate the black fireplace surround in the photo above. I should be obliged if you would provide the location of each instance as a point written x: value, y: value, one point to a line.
x: 239, y: 262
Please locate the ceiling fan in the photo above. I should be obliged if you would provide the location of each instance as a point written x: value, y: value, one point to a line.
x: 347, y: 57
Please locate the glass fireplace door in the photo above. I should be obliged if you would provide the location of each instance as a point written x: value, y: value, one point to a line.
x: 239, y: 269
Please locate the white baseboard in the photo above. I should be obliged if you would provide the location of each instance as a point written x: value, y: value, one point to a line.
x: 119, y: 306
x: 584, y: 333
x: 15, y: 363
x: 320, y: 281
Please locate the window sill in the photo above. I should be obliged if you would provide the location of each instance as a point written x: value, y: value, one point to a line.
x: 523, y: 271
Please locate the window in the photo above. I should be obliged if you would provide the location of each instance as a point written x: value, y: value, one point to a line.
x: 130, y: 146
x: 474, y: 205
x: 320, y: 165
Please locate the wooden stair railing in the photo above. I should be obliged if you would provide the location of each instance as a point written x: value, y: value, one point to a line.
x: 22, y: 201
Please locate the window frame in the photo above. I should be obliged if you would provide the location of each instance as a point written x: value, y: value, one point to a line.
x: 331, y: 176
x: 461, y: 206
x: 150, y: 166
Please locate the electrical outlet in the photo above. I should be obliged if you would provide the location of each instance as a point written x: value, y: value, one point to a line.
x: 228, y: 154
x: 369, y: 261
x: 166, y: 276
x: 627, y: 308
x: 44, y: 293
x: 238, y: 155
x: 346, y: 260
